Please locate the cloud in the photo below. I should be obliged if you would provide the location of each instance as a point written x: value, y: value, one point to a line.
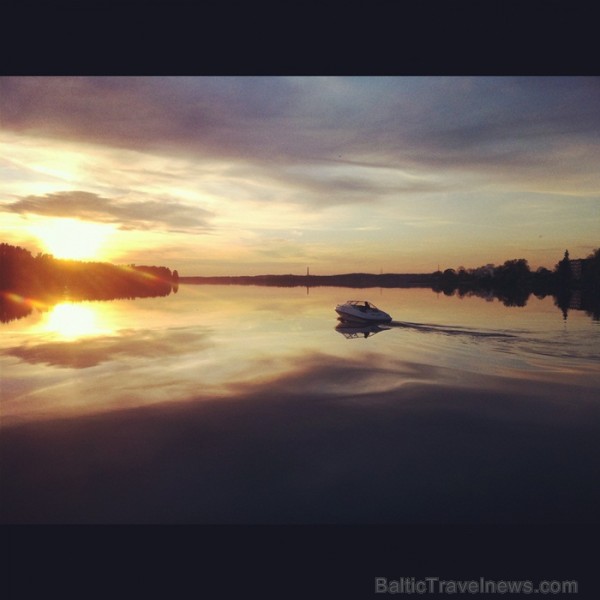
x: 388, y: 120
x: 211, y: 116
x: 317, y: 142
x: 146, y: 214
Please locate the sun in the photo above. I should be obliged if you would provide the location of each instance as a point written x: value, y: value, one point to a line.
x: 72, y: 238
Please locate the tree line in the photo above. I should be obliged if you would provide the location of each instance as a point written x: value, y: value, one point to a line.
x: 27, y: 280
x: 572, y: 283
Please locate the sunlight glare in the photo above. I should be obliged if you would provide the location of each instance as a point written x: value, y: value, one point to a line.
x: 72, y: 238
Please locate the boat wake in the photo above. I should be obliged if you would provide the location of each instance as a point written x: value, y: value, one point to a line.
x: 446, y: 330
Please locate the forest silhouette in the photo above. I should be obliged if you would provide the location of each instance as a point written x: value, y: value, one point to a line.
x: 574, y: 284
x: 28, y: 282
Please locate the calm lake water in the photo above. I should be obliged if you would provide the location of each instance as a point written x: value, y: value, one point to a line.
x: 242, y: 404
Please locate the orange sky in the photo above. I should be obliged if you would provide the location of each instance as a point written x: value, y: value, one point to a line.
x: 249, y: 175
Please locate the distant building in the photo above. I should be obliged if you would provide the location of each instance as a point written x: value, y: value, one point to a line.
x: 576, y: 267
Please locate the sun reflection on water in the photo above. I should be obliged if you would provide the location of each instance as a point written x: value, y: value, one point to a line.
x: 72, y: 321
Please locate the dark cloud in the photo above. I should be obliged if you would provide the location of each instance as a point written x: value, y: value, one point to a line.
x: 208, y: 115
x: 394, y: 121
x: 146, y: 214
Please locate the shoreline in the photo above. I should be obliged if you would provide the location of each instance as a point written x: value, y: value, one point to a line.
x: 345, y: 280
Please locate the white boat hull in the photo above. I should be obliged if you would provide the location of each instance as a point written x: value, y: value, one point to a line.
x: 353, y: 313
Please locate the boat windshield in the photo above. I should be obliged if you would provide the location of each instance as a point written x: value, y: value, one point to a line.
x: 363, y: 304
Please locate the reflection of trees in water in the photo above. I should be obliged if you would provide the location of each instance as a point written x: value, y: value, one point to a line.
x: 584, y: 299
x: 565, y: 299
x: 15, y: 306
x: 516, y: 297
x: 28, y: 282
x: 575, y: 285
x: 590, y: 303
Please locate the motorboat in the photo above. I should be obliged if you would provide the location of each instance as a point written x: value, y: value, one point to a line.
x: 361, y: 311
x: 358, y: 330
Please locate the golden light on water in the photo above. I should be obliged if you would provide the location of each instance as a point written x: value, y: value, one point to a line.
x: 72, y: 238
x: 72, y: 321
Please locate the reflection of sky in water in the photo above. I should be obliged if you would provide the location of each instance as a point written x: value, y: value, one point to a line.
x: 245, y: 404
x: 212, y: 341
